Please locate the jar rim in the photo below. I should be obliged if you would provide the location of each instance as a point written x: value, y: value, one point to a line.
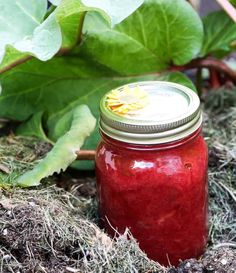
x: 178, y: 123
x: 150, y: 147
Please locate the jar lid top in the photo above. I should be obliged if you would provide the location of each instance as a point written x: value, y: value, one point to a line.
x: 150, y: 112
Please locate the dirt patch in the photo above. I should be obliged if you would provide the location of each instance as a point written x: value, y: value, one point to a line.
x: 46, y: 231
x: 84, y: 186
x: 222, y: 260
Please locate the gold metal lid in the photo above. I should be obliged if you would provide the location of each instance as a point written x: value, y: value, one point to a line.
x: 150, y: 112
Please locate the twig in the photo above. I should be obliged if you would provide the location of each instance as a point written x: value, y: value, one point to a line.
x: 229, y: 8
x: 225, y: 245
x: 86, y: 155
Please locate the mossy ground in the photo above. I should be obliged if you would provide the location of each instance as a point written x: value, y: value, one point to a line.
x: 52, y: 230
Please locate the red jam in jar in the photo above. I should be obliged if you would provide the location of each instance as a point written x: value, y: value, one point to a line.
x: 151, y: 168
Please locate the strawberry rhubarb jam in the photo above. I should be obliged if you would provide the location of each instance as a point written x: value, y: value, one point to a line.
x: 151, y: 168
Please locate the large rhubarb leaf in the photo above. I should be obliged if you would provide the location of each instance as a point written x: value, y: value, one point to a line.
x: 70, y: 15
x: 159, y: 33
x: 29, y: 33
x: 220, y: 34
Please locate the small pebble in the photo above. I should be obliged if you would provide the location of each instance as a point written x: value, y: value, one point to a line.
x: 4, y: 232
x: 224, y: 261
x: 9, y: 212
x: 188, y: 265
x: 6, y: 258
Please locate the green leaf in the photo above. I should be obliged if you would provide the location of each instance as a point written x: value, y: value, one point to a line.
x: 11, y: 55
x: 220, y: 33
x: 58, y: 86
x: 116, y: 10
x: 65, y: 150
x: 26, y: 31
x: 70, y: 15
x: 159, y: 33
x: 33, y: 127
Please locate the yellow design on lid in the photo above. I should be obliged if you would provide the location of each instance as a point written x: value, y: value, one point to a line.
x: 127, y: 100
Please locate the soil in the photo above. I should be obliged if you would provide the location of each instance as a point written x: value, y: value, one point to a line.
x: 222, y: 260
x: 84, y: 186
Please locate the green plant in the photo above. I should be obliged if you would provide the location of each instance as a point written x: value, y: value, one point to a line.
x: 65, y: 150
x: 85, y: 48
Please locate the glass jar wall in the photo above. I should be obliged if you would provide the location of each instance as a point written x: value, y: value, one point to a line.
x: 159, y: 192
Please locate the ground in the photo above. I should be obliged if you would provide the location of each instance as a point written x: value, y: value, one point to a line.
x: 54, y: 228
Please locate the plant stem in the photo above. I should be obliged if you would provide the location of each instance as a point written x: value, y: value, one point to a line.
x: 225, y: 245
x: 214, y: 78
x: 78, y: 40
x: 80, y: 29
x: 217, y: 65
x: 12, y: 65
x: 86, y: 155
x: 61, y: 52
x: 229, y: 8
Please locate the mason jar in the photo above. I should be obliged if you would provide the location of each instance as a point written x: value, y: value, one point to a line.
x: 151, y: 168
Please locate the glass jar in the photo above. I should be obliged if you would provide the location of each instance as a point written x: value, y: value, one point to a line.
x: 151, y: 168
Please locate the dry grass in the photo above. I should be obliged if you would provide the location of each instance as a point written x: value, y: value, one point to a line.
x: 44, y: 231
x: 19, y: 154
x: 220, y: 133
